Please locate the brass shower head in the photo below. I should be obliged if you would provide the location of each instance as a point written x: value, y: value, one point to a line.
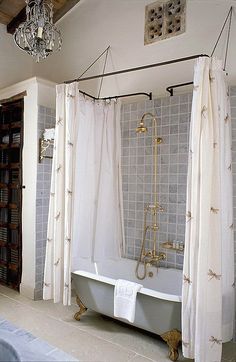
x: 141, y: 128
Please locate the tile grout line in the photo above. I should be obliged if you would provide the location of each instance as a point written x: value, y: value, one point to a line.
x: 140, y: 355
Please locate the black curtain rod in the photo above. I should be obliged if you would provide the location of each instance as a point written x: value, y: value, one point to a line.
x: 171, y: 88
x: 149, y: 95
x: 177, y: 60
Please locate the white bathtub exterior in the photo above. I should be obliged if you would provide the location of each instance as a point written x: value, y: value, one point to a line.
x: 158, y: 304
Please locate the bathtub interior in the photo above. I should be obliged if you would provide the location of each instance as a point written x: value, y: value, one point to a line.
x: 164, y: 280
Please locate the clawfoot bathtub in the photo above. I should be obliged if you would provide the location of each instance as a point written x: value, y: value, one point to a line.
x: 158, y: 304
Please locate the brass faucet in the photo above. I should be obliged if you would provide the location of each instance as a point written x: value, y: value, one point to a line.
x: 150, y: 257
x: 153, y: 259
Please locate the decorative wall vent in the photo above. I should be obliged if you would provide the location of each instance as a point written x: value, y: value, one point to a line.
x: 164, y: 19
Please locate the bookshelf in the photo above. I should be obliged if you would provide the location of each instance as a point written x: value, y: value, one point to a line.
x: 11, y: 143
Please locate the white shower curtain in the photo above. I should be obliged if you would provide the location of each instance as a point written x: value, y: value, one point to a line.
x: 85, y: 211
x: 208, y: 274
x: 98, y: 215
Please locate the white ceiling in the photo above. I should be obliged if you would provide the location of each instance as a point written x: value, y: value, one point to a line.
x: 94, y: 24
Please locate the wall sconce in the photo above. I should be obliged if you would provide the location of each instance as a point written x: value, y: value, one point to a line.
x: 45, y: 142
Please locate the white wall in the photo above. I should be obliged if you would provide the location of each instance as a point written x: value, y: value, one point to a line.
x: 15, y: 65
x: 39, y: 92
x: 94, y: 24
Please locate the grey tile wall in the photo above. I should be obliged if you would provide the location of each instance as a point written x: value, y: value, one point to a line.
x: 173, y: 126
x: 46, y: 119
x: 173, y: 114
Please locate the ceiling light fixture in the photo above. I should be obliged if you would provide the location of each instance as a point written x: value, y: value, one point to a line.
x: 38, y: 36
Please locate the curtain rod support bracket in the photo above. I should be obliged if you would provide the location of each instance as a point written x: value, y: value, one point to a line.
x: 171, y: 88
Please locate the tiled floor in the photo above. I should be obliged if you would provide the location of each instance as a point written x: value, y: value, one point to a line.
x: 29, y: 347
x: 93, y: 339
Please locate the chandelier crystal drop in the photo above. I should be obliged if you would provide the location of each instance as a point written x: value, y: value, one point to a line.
x: 38, y: 36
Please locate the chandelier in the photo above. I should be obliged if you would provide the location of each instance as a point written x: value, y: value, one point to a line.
x: 38, y: 36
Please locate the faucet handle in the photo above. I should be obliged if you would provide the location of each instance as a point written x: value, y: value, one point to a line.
x: 162, y: 256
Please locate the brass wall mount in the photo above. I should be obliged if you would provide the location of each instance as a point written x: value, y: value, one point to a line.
x: 43, y: 146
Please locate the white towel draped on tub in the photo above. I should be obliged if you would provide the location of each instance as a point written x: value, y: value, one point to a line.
x: 125, y: 294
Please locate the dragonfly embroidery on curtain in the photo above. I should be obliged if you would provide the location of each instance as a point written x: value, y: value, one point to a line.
x: 212, y: 275
x: 57, y: 215
x: 59, y: 121
x: 57, y: 262
x: 189, y: 216
x: 59, y: 168
x: 185, y: 344
x: 214, y: 341
x: 215, y: 211
x: 211, y: 78
x: 187, y: 280
x: 203, y: 112
x: 226, y: 118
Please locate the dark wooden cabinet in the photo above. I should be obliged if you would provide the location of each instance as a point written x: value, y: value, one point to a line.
x: 11, y: 144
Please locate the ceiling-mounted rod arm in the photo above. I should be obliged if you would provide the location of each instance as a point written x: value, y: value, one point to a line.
x: 222, y: 29
x: 129, y: 70
x: 171, y: 88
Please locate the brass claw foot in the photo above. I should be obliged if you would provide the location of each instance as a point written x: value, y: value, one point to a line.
x: 172, y: 338
x: 82, y: 309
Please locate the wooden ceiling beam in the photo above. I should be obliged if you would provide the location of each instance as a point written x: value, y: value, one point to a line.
x: 69, y: 4
x: 58, y: 14
x: 4, y: 18
x: 15, y: 22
